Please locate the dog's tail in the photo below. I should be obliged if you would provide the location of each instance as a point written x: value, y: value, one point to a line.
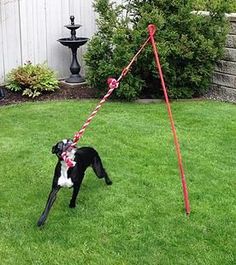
x: 98, y: 167
x: 99, y: 170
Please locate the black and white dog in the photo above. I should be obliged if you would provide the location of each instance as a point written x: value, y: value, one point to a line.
x: 73, y: 176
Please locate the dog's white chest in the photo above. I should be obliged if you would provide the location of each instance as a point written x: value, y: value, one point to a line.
x: 64, y: 181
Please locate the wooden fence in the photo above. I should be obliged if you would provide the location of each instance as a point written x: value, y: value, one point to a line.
x: 29, y: 30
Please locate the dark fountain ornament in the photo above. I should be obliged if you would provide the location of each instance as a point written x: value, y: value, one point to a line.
x: 74, y: 43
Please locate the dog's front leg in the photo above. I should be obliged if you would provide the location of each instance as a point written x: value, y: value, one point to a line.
x: 76, y: 189
x: 77, y: 180
x: 50, y: 201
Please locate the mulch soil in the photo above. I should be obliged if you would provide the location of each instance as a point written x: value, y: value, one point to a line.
x: 64, y: 92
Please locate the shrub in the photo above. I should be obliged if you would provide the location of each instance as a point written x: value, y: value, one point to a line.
x: 109, y: 51
x: 32, y: 80
x: 188, y: 44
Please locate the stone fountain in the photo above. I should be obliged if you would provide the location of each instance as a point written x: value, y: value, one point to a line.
x: 74, y: 43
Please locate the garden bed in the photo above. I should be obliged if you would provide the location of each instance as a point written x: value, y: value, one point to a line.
x: 66, y: 91
x: 83, y: 91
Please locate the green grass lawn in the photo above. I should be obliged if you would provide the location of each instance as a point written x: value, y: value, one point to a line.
x: 140, y: 219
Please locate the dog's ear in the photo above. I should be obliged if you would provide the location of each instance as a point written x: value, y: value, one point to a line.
x: 54, y: 149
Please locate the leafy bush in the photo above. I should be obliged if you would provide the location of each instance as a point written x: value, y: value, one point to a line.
x: 32, y: 80
x: 188, y: 45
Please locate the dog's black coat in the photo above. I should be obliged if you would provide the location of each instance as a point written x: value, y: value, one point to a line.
x: 84, y: 157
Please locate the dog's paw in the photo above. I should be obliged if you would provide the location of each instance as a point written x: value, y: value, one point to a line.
x: 41, y: 220
x: 72, y: 205
x: 108, y: 181
x: 40, y: 223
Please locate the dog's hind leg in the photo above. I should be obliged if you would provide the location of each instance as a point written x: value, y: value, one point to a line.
x: 50, y: 201
x: 99, y: 170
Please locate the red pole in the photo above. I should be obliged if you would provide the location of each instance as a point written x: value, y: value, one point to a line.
x: 152, y: 30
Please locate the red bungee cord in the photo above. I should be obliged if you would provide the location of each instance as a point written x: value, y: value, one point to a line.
x: 152, y: 31
x: 113, y: 84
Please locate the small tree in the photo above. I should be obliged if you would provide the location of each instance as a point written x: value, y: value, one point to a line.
x: 189, y: 45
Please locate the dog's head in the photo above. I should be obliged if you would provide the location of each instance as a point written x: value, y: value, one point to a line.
x: 61, y: 147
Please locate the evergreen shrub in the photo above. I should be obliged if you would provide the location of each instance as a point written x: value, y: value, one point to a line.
x: 188, y: 45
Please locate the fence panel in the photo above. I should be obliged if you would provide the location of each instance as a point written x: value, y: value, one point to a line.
x: 29, y: 30
x: 10, y: 35
x: 33, y: 31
